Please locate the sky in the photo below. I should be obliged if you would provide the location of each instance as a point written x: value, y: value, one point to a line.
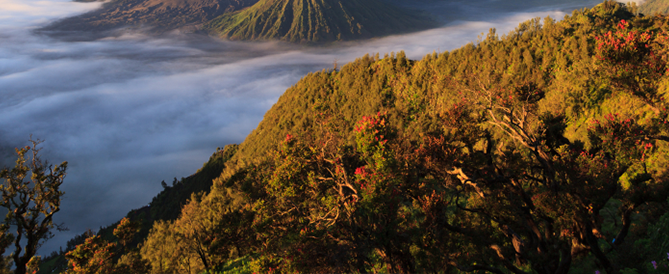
x: 128, y: 112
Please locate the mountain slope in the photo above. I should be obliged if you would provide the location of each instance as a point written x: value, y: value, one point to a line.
x: 316, y: 20
x: 479, y: 123
x: 159, y: 15
x: 651, y: 7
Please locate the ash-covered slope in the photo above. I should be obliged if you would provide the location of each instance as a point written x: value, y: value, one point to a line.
x: 651, y: 7
x: 317, y: 20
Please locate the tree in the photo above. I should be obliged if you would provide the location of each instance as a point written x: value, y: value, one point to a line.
x: 93, y: 256
x: 125, y: 232
x: 202, y: 237
x: 165, y: 251
x: 96, y: 255
x: 329, y: 207
x: 31, y: 193
x: 131, y: 260
x: 6, y: 239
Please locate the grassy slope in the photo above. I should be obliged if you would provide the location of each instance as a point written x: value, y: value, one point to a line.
x: 316, y: 21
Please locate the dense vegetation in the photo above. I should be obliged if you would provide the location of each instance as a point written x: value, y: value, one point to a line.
x: 316, y: 21
x: 541, y: 151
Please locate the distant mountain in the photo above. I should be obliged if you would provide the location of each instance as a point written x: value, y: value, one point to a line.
x: 650, y: 7
x: 157, y: 15
x: 289, y: 20
x: 317, y: 20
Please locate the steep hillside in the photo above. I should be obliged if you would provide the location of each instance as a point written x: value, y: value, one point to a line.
x: 542, y: 151
x: 534, y: 151
x: 158, y: 15
x: 317, y: 20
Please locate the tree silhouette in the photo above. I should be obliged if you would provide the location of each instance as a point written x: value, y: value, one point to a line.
x: 31, y: 195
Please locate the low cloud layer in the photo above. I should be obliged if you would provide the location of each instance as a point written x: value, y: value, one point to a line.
x: 131, y: 111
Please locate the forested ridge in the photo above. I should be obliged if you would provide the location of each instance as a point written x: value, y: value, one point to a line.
x: 541, y: 151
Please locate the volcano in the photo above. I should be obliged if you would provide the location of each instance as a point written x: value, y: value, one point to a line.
x: 317, y: 20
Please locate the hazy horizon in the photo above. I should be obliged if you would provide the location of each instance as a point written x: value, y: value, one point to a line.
x: 128, y: 112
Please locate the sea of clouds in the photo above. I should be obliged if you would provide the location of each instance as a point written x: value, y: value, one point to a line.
x: 130, y: 111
